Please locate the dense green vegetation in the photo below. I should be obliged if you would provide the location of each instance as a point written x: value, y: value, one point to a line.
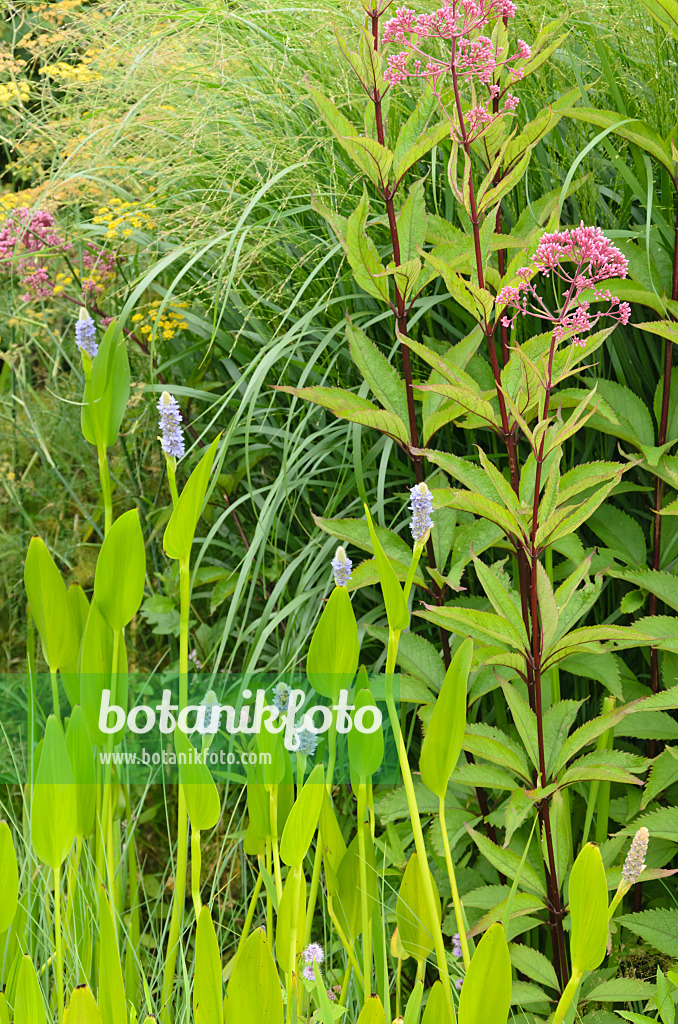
x: 185, y: 173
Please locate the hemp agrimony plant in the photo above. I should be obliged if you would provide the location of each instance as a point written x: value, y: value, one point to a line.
x: 540, y: 317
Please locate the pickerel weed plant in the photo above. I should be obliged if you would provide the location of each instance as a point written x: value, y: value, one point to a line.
x: 353, y: 882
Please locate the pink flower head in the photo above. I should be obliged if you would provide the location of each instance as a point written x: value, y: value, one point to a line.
x: 27, y: 240
x: 472, y: 58
x: 581, y: 258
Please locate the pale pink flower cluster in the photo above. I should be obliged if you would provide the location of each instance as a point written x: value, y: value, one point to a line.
x: 472, y: 57
x: 29, y: 240
x: 581, y: 258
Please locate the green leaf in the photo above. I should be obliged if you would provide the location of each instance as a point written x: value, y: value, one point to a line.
x: 665, y: 12
x: 533, y: 964
x: 121, y: 572
x: 372, y: 1012
x: 661, y: 823
x: 415, y: 139
x: 483, y: 627
x: 9, y: 878
x: 112, y: 1001
x: 96, y: 659
x: 202, y: 798
x: 445, y: 733
x: 348, y: 406
x: 658, y: 927
x: 255, y: 971
x: 525, y: 721
x: 29, y: 1005
x: 53, y: 818
x: 334, y: 650
x: 79, y: 606
x: 637, y: 132
x: 366, y: 265
x: 486, y: 992
x: 508, y: 863
x: 376, y: 159
x: 51, y: 611
x: 107, y: 395
x: 588, y: 910
x: 606, y: 765
x: 621, y: 990
x: 381, y: 376
x: 394, y: 600
x: 82, y: 1008
x: 302, y: 820
x: 180, y: 530
x: 663, y: 585
x: 411, y: 222
x: 621, y: 533
x: 437, y: 1009
x: 490, y: 743
x: 415, y: 927
x: 81, y: 757
x: 292, y: 905
x: 365, y: 750
x: 208, y: 1003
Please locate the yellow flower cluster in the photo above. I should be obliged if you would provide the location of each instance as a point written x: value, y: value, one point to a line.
x: 56, y: 11
x: 13, y: 92
x: 9, y: 64
x: 78, y: 73
x: 7, y: 472
x: 12, y: 200
x: 167, y: 324
x: 62, y: 281
x: 122, y: 218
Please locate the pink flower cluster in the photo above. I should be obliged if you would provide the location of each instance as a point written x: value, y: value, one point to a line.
x: 26, y: 239
x: 472, y: 58
x: 594, y: 259
x: 29, y: 239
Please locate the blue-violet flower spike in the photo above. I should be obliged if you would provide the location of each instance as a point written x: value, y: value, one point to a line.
x: 172, y: 440
x: 86, y: 333
x: 342, y: 565
x: 421, y: 508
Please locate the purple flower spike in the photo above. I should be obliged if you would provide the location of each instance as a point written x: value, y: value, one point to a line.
x: 85, y: 334
x: 172, y: 439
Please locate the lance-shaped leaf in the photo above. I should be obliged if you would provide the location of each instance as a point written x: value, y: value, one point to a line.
x: 415, y: 927
x: 588, y: 910
x: 372, y: 1012
x: 9, y: 878
x: 180, y: 530
x: 445, y: 733
x: 292, y: 905
x: 509, y: 863
x: 486, y: 992
x: 437, y: 1009
x: 108, y: 392
x: 365, y: 749
x: 394, y: 600
x: 53, y: 817
x: 81, y: 756
x: 502, y: 600
x: 375, y: 158
x: 49, y: 606
x: 416, y: 137
x: 382, y: 376
x: 303, y: 819
x: 484, y: 627
x: 121, y: 571
x: 112, y: 1001
x: 82, y: 1008
x: 202, y: 798
x: 366, y: 265
x: 663, y: 585
x: 635, y: 131
x: 255, y: 971
x: 334, y: 650
x: 353, y: 408
x: 208, y: 1004
x: 29, y: 1005
x: 79, y: 606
